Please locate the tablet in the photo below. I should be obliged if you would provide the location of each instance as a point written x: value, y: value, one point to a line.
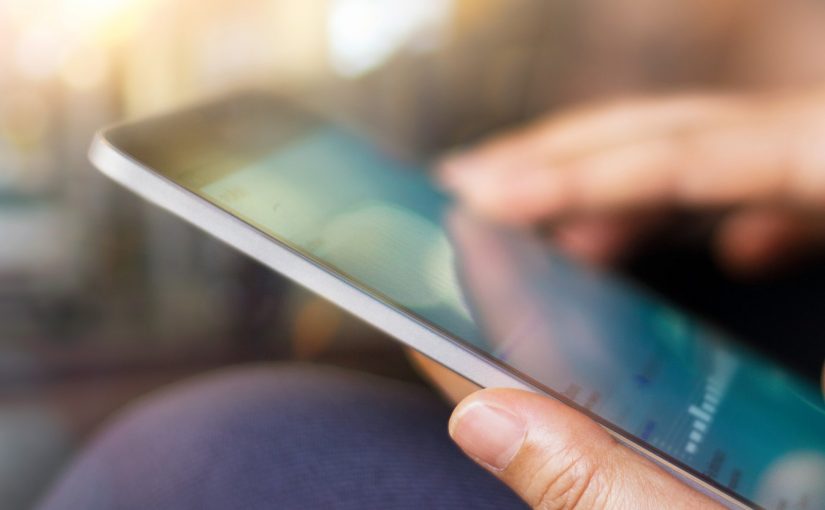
x: 318, y: 202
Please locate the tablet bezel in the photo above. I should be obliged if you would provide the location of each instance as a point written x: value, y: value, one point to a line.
x: 303, y: 270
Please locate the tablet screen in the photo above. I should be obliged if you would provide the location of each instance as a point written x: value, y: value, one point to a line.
x: 617, y: 353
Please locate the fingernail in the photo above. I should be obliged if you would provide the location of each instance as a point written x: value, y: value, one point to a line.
x: 490, y: 434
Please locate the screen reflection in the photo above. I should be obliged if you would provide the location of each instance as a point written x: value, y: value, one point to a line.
x: 611, y: 350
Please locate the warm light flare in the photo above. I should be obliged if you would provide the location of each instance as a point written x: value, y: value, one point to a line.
x: 67, y: 39
x: 365, y: 33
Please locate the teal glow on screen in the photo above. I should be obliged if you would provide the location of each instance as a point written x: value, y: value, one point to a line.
x: 624, y: 356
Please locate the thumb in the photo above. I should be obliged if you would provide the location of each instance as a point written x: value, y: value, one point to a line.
x: 556, y: 458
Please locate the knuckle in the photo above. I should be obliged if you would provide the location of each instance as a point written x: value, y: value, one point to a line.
x: 570, y: 480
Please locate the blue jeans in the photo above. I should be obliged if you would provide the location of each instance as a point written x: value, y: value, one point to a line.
x: 279, y: 437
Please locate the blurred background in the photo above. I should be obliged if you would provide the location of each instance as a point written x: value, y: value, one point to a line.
x: 103, y: 298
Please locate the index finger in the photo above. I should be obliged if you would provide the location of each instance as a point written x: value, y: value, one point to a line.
x: 731, y: 158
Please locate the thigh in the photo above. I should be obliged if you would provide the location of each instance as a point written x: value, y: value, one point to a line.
x: 279, y: 437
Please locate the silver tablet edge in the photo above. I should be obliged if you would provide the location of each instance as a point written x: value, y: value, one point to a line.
x: 245, y: 238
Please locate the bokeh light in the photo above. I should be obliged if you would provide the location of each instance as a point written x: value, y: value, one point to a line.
x: 363, y: 34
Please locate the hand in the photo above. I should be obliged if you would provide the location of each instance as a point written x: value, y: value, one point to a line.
x: 606, y: 176
x: 555, y: 458
x: 551, y: 455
